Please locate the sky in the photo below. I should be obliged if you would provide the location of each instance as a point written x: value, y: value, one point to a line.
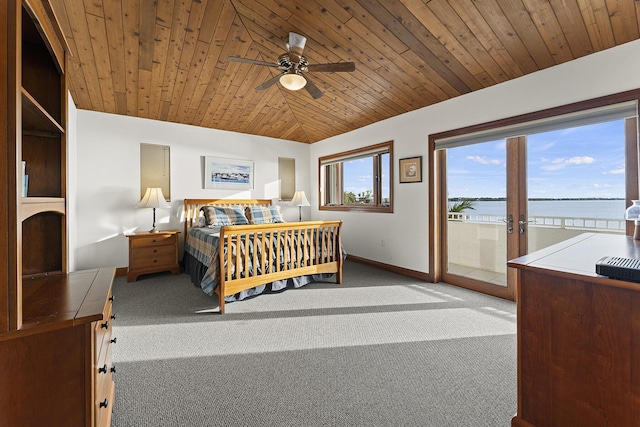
x: 358, y: 175
x: 583, y: 162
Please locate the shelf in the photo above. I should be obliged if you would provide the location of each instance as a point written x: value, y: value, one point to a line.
x: 30, y: 206
x: 36, y: 118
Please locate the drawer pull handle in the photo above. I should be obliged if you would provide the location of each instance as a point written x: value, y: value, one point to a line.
x: 154, y: 240
x: 111, y: 298
x: 113, y: 317
x: 103, y: 370
x: 113, y: 341
x: 105, y: 325
x: 113, y: 369
x: 155, y: 250
x: 155, y: 260
x: 104, y: 403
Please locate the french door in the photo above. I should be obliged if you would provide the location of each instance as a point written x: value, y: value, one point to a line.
x: 480, y: 237
x: 524, y: 193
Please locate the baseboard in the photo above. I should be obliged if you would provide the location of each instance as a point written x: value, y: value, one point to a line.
x: 392, y: 268
x: 122, y: 271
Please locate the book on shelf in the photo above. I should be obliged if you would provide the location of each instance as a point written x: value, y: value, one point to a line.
x: 25, y: 179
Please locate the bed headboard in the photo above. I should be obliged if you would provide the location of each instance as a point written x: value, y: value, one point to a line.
x: 192, y: 207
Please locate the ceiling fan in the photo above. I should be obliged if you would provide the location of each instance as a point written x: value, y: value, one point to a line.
x: 293, y: 65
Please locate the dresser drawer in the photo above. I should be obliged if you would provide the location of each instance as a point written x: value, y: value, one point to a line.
x: 103, y: 372
x: 103, y: 333
x: 155, y: 240
x: 104, y: 388
x: 104, y: 408
x: 151, y: 257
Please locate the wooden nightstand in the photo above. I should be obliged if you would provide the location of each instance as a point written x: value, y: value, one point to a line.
x: 152, y: 253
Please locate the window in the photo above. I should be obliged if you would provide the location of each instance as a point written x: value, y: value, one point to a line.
x: 155, y: 170
x: 287, y: 177
x: 358, y: 179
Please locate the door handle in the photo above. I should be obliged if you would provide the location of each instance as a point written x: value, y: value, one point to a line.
x: 522, y: 223
x: 509, y: 222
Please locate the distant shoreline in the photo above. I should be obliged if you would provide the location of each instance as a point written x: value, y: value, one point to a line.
x: 502, y: 199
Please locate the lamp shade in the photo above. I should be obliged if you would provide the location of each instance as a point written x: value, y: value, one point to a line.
x: 299, y: 199
x: 633, y: 211
x: 292, y: 81
x: 153, y: 198
x: 633, y: 214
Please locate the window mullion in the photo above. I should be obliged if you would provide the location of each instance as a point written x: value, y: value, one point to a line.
x: 376, y: 180
x: 340, y: 183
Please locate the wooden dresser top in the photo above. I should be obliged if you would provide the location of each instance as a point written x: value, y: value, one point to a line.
x: 578, y: 256
x: 55, y: 301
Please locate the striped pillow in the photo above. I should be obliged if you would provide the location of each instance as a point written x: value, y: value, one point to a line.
x: 263, y: 214
x: 224, y: 215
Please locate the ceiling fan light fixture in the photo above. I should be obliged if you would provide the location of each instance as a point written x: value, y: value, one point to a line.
x: 292, y: 81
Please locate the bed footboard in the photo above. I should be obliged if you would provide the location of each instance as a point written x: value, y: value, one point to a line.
x: 251, y: 255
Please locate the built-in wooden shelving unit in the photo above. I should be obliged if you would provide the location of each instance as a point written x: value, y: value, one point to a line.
x: 55, y: 326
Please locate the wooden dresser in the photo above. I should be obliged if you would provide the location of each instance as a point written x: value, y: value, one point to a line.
x: 152, y: 253
x: 57, y: 369
x: 578, y: 336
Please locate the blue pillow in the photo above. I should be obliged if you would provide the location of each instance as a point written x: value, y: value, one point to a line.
x: 224, y: 215
x: 263, y: 214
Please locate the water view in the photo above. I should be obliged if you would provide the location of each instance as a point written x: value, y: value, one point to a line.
x: 565, y: 208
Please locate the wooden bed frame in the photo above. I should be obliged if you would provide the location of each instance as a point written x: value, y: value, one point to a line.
x: 295, y: 240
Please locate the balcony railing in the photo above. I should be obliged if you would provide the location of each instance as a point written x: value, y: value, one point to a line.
x: 583, y: 224
x: 478, y: 241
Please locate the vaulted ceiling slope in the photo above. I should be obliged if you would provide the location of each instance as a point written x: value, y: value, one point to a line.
x: 167, y: 59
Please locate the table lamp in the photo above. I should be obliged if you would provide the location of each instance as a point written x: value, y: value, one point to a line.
x: 153, y: 198
x: 633, y: 214
x: 300, y: 200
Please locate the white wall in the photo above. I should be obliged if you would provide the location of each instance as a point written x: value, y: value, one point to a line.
x: 405, y: 232
x: 107, y: 188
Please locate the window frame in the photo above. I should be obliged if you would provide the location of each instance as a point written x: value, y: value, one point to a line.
x: 336, y: 160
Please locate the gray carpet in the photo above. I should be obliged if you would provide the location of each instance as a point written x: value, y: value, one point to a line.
x: 379, y: 350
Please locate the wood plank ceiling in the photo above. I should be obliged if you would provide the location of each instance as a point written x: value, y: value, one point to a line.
x: 167, y: 59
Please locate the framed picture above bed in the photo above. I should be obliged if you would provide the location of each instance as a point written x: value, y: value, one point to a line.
x: 228, y: 174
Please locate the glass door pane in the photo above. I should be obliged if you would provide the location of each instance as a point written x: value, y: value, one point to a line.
x: 575, y: 183
x: 476, y: 231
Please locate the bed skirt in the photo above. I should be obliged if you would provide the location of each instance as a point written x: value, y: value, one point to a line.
x: 197, y: 271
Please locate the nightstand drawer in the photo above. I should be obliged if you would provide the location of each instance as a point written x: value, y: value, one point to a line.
x: 151, y: 257
x: 155, y: 240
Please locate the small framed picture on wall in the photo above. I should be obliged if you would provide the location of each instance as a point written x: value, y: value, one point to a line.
x: 411, y: 169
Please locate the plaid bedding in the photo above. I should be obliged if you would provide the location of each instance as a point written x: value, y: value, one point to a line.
x: 203, y: 245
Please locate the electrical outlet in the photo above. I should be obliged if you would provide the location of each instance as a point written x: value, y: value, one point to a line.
x: 382, y: 243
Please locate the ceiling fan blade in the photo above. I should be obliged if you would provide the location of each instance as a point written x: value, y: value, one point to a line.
x: 296, y: 46
x: 269, y: 83
x: 313, y: 89
x: 252, y: 61
x: 335, y: 67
